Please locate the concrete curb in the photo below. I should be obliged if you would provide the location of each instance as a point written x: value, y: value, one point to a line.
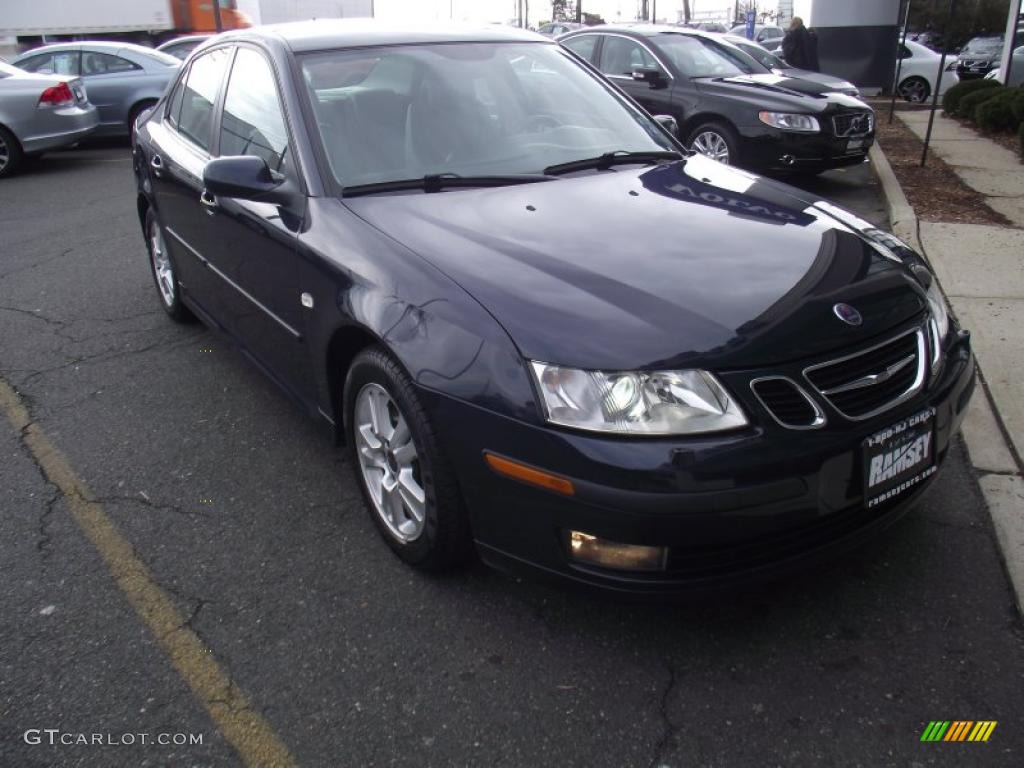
x: 999, y: 475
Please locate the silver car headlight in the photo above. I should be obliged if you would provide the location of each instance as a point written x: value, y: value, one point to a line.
x: 787, y: 121
x: 686, y: 402
x: 938, y: 311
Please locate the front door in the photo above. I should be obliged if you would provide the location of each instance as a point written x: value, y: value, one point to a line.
x: 621, y: 57
x: 259, y: 239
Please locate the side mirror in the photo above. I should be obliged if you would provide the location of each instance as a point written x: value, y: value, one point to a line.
x: 669, y: 123
x: 245, y: 177
x: 650, y: 75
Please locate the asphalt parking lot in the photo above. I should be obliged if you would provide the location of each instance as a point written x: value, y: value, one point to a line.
x: 248, y: 518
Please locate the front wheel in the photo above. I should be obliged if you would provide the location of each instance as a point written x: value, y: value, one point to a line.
x: 717, y: 141
x: 407, y: 482
x: 915, y: 90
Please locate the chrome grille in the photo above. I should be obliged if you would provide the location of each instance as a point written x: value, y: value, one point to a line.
x: 787, y: 403
x: 873, y: 380
x: 853, y: 123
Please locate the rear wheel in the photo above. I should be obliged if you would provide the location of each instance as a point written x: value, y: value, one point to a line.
x: 406, y: 479
x: 11, y: 155
x: 717, y: 141
x: 915, y: 90
x: 164, y: 274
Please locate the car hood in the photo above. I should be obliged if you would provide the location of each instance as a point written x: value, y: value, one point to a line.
x: 779, y: 90
x: 830, y: 82
x: 691, y: 263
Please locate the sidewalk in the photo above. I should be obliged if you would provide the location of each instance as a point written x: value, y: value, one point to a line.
x: 981, y: 270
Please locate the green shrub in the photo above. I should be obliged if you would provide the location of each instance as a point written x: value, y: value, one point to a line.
x: 951, y: 98
x: 1017, y: 105
x: 996, y: 113
x: 971, y: 102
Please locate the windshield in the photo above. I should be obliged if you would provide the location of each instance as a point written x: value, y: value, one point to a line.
x: 984, y: 45
x: 763, y: 57
x: 471, y: 109
x: 700, y: 57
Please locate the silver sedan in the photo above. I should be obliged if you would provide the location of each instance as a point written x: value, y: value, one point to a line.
x: 122, y: 79
x: 40, y: 112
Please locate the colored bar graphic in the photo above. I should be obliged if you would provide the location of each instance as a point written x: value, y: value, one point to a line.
x: 958, y: 730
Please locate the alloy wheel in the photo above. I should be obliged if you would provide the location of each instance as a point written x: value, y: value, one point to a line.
x: 162, y: 267
x: 5, y: 154
x: 915, y: 91
x: 712, y: 145
x: 389, y: 463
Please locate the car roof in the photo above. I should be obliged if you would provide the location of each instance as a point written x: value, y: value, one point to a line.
x: 102, y: 46
x: 648, y: 30
x: 183, y: 39
x: 323, y: 34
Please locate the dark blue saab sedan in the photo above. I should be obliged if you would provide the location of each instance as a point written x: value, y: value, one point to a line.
x: 547, y: 332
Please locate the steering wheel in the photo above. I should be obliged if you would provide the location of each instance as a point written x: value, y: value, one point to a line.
x: 539, y: 124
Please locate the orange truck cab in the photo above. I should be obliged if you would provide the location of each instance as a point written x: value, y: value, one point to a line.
x: 198, y: 16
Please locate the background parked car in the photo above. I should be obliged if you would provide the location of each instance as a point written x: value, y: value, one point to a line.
x: 556, y: 28
x: 727, y: 105
x: 709, y: 26
x: 767, y: 35
x: 122, y: 79
x: 779, y: 66
x: 919, y: 69
x: 982, y: 54
x: 40, y: 112
x: 1016, y: 69
x: 181, y: 47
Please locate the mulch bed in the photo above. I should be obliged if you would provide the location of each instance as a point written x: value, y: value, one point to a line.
x: 935, y: 191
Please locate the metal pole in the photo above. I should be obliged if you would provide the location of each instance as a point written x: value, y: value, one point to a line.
x: 938, y: 85
x: 1012, y: 20
x: 654, y: 11
x: 579, y: 11
x: 899, y: 61
x: 216, y: 16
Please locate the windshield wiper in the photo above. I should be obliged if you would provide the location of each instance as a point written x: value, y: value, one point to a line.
x: 435, y: 182
x: 608, y: 159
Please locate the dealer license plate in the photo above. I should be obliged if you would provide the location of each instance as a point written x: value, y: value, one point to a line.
x: 899, y: 457
x: 854, y: 144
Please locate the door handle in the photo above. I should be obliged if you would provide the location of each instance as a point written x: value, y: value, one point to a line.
x: 209, y: 201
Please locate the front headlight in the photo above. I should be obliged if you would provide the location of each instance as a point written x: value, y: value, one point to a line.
x: 787, y: 121
x: 938, y: 309
x: 684, y: 402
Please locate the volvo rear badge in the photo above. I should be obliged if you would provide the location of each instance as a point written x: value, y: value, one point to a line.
x: 847, y: 314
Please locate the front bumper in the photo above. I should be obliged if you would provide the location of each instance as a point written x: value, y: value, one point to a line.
x: 771, y: 149
x: 55, y: 128
x: 732, y: 508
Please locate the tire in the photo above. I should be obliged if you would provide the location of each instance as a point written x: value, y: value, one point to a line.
x: 915, y: 89
x: 165, y: 275
x: 137, y: 110
x: 11, y: 156
x: 714, y: 135
x: 440, y: 539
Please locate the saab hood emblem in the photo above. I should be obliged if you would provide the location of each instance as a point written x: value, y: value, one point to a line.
x: 848, y: 314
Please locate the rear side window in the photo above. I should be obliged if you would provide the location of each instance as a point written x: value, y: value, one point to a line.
x: 201, y: 85
x: 253, y: 123
x: 583, y: 45
x: 94, y: 63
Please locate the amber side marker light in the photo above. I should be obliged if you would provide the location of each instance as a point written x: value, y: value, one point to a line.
x: 528, y: 474
x: 585, y: 548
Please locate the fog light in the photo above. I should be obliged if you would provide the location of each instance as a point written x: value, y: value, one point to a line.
x: 613, y: 554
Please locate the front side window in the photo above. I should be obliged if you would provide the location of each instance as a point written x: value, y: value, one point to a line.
x: 622, y: 56
x: 253, y: 123
x: 57, y: 63
x: 199, y: 94
x: 94, y: 63
x: 404, y: 112
x: 697, y: 56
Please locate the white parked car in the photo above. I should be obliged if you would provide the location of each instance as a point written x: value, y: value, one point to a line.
x: 919, y: 71
x: 1016, y: 69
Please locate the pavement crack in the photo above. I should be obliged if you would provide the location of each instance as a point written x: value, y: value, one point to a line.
x: 149, y: 503
x: 668, y: 728
x: 45, y: 538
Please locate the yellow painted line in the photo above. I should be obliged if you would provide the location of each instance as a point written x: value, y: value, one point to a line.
x: 245, y: 729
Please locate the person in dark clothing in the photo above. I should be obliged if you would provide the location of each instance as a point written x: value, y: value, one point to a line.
x: 800, y: 46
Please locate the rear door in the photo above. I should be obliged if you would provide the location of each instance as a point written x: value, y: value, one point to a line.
x: 110, y: 83
x: 259, y: 239
x: 181, y: 146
